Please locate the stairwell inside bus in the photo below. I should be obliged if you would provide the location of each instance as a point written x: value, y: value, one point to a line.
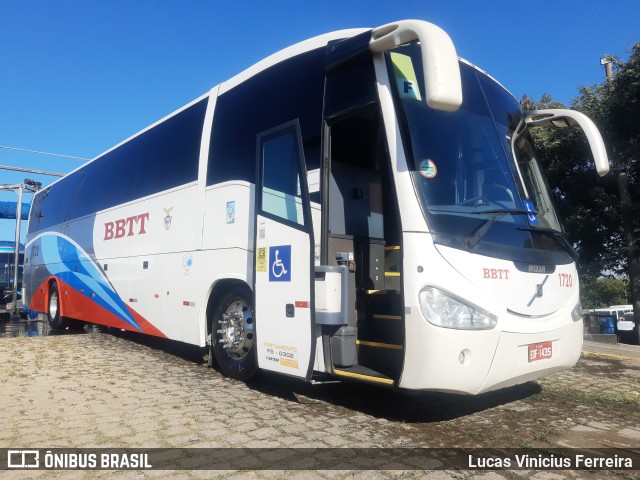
x: 363, y: 232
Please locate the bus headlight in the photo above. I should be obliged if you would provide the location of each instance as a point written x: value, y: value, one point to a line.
x: 576, y: 313
x: 445, y: 310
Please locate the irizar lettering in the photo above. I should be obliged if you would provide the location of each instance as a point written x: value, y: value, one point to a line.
x: 126, y: 227
x: 537, y: 269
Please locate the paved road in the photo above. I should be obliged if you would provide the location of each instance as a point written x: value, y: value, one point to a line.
x: 627, y: 352
x: 100, y: 390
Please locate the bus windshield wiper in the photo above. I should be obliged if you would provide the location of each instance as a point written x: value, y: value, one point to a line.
x: 557, y: 236
x: 515, y: 211
x: 473, y: 239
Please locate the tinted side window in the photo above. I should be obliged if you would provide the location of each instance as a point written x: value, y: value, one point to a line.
x: 292, y: 89
x: 281, y: 194
x: 163, y: 157
x: 350, y: 85
x: 51, y: 206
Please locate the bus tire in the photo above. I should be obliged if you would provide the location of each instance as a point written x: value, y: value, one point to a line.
x: 56, y: 321
x: 233, y: 335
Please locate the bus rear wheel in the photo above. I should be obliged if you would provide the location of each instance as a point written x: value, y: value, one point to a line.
x: 56, y: 321
x: 233, y: 335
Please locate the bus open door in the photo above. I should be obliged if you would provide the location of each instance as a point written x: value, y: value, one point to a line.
x: 284, y: 255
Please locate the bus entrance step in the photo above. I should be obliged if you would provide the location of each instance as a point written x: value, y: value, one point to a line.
x: 359, y: 372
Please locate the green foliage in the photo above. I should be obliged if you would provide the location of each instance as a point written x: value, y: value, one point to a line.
x: 590, y: 206
x: 604, y: 292
x: 587, y: 203
x: 601, y: 215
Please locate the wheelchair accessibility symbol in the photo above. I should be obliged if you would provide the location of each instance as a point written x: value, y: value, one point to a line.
x: 530, y: 207
x: 280, y: 263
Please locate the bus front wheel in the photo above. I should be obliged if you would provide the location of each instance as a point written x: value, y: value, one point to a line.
x: 56, y: 321
x: 233, y: 335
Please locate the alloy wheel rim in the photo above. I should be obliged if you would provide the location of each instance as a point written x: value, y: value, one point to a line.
x: 236, y: 330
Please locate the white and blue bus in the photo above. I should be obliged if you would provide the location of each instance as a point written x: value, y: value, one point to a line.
x: 363, y: 204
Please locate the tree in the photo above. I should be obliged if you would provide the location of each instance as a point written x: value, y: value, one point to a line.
x: 615, y: 107
x: 604, y: 292
x: 601, y: 215
x: 586, y: 202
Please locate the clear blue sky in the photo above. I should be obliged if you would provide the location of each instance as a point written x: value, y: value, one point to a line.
x: 78, y: 76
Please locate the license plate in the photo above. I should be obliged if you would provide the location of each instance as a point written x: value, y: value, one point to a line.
x: 540, y: 351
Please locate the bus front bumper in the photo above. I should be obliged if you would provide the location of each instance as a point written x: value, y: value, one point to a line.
x: 476, y: 362
x: 521, y: 357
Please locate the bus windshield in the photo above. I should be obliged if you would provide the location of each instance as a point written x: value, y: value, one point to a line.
x: 480, y: 184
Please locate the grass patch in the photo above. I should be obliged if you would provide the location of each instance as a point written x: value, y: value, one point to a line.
x: 614, y: 400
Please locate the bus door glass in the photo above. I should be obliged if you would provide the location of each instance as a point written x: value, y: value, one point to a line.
x: 284, y: 255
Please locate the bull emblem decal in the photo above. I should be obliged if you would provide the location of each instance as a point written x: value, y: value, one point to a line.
x: 167, y: 219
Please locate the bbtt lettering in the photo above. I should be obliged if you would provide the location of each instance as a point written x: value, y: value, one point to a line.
x: 496, y: 273
x: 126, y: 227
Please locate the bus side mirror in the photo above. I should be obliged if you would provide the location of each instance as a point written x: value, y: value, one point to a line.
x: 443, y: 88
x: 562, y: 118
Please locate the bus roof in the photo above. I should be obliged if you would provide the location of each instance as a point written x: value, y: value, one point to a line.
x: 296, y: 49
x: 291, y: 51
x: 277, y: 57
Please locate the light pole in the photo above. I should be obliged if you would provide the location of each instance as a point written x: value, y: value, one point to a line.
x: 608, y: 66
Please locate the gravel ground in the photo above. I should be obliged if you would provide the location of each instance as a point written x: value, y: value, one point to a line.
x: 101, y: 390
